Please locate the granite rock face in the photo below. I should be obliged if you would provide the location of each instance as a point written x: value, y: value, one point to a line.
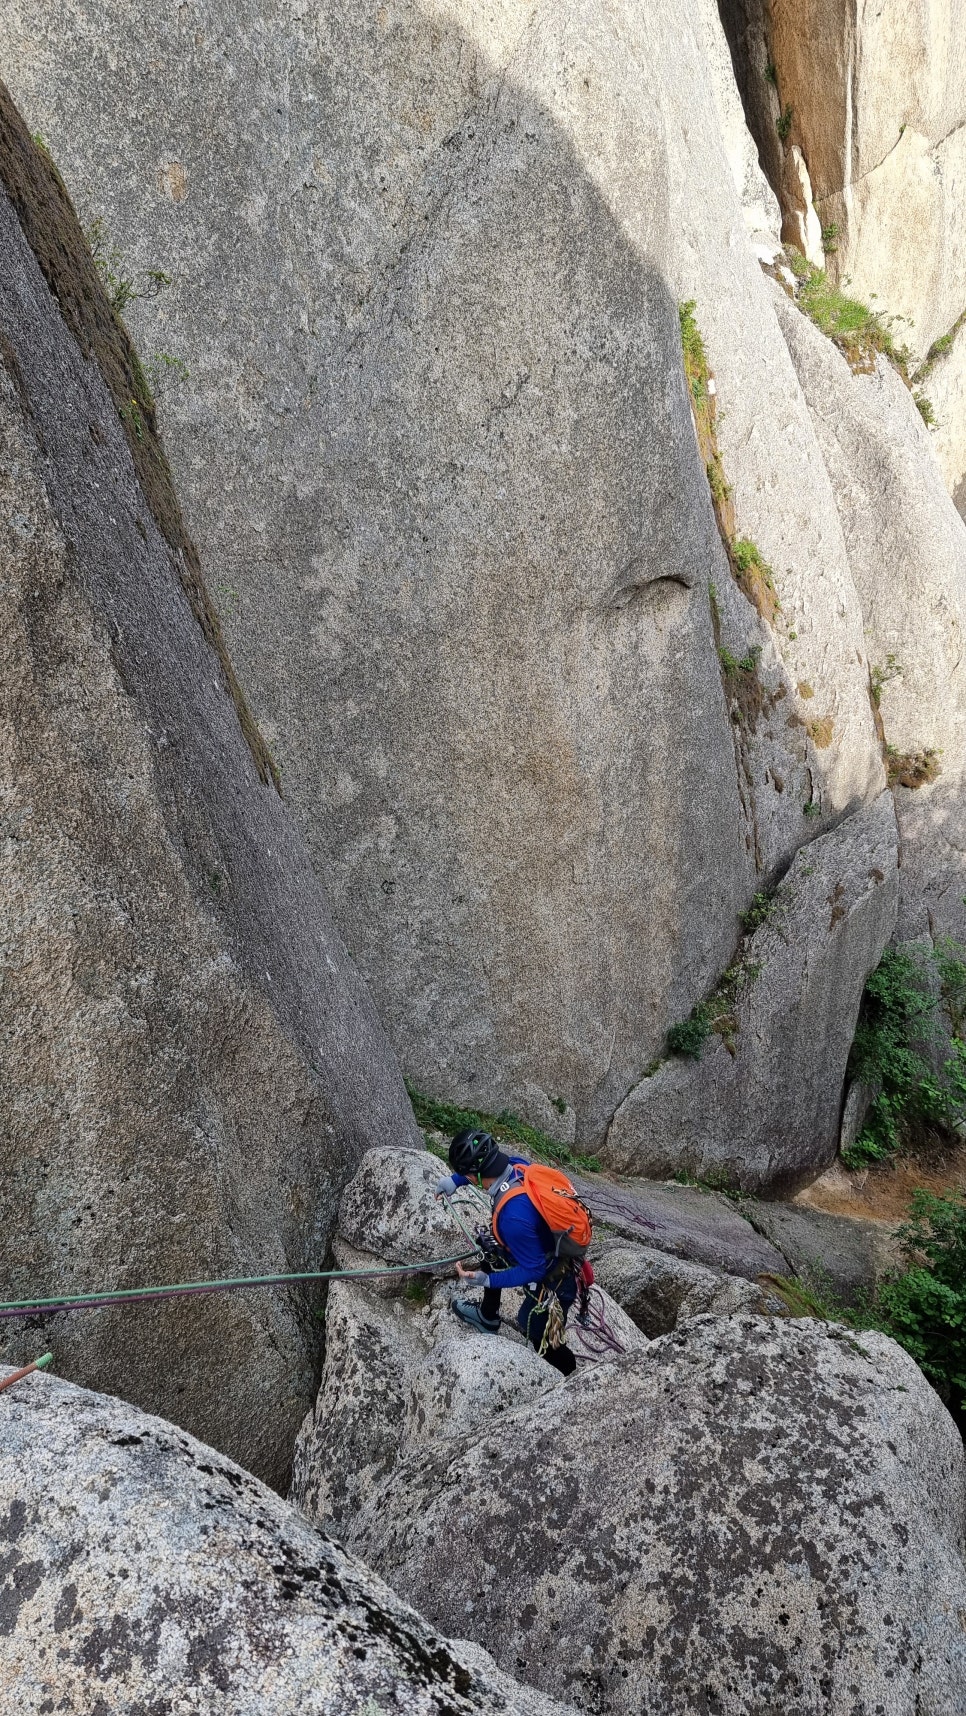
x: 143, y: 1571
x: 785, y: 1024
x: 430, y: 313
x: 875, y: 99
x: 682, y: 1221
x: 907, y: 550
x: 192, y: 1066
x: 660, y: 1292
x: 840, y: 1253
x: 768, y: 1511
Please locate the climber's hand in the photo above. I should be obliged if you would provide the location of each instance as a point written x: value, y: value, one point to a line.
x: 445, y: 1187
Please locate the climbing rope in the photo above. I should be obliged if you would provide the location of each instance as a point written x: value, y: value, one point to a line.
x: 26, y: 1370
x: 142, y: 1295
x: 595, y: 1334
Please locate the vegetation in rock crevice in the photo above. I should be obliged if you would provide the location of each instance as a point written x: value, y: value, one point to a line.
x: 718, y: 1013
x: 923, y: 1306
x: 910, y: 769
x: 121, y: 288
x: 740, y: 678
x: 750, y: 569
x: 939, y: 349
x: 449, y: 1118
x: 880, y: 676
x: 754, y: 576
x: 910, y: 1050
x: 861, y: 333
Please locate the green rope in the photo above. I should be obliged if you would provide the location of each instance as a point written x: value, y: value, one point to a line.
x: 136, y: 1295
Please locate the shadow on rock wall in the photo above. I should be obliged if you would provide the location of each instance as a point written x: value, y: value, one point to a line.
x: 440, y: 426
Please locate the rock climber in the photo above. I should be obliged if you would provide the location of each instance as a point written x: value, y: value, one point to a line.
x: 522, y: 1253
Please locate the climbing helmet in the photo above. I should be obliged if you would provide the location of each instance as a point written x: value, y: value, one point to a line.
x: 474, y: 1152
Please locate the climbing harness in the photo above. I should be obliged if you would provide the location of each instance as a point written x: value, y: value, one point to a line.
x: 142, y: 1295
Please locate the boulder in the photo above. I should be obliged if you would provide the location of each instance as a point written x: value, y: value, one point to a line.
x: 841, y: 1257
x: 659, y: 1291
x: 746, y: 1515
x: 430, y: 315
x: 684, y: 1221
x: 143, y: 1571
x: 193, y: 1067
x: 762, y: 1105
x: 398, y: 1374
x: 389, y: 1208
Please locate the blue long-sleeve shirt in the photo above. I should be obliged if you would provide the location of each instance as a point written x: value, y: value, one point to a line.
x: 525, y: 1235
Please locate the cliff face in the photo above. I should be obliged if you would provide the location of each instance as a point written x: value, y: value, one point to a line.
x: 545, y: 737
x: 191, y: 1064
x: 875, y: 99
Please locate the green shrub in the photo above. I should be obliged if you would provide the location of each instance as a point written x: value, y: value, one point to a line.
x: 925, y: 1309
x: 940, y: 347
x: 109, y: 263
x: 734, y: 666
x: 689, y: 1035
x: 717, y: 1013
x: 758, y: 912
x: 913, y: 1012
x: 449, y: 1118
x: 880, y: 676
x: 784, y: 122
x: 925, y: 408
x: 695, y: 356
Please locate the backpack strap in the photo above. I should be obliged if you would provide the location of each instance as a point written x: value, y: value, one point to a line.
x: 511, y: 1192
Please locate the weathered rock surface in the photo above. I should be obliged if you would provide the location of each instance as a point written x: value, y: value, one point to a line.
x: 192, y: 1067
x: 840, y: 1255
x: 399, y: 1374
x: 682, y: 1221
x: 143, y: 1571
x: 389, y: 1208
x: 659, y: 1291
x: 430, y: 316
x: 907, y: 550
x: 746, y: 1515
x: 789, y: 1030
x: 875, y: 99
x: 759, y: 205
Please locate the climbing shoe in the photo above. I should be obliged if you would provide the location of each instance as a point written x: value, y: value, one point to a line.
x: 470, y: 1313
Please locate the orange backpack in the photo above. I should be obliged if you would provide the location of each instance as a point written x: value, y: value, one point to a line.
x: 553, y: 1197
